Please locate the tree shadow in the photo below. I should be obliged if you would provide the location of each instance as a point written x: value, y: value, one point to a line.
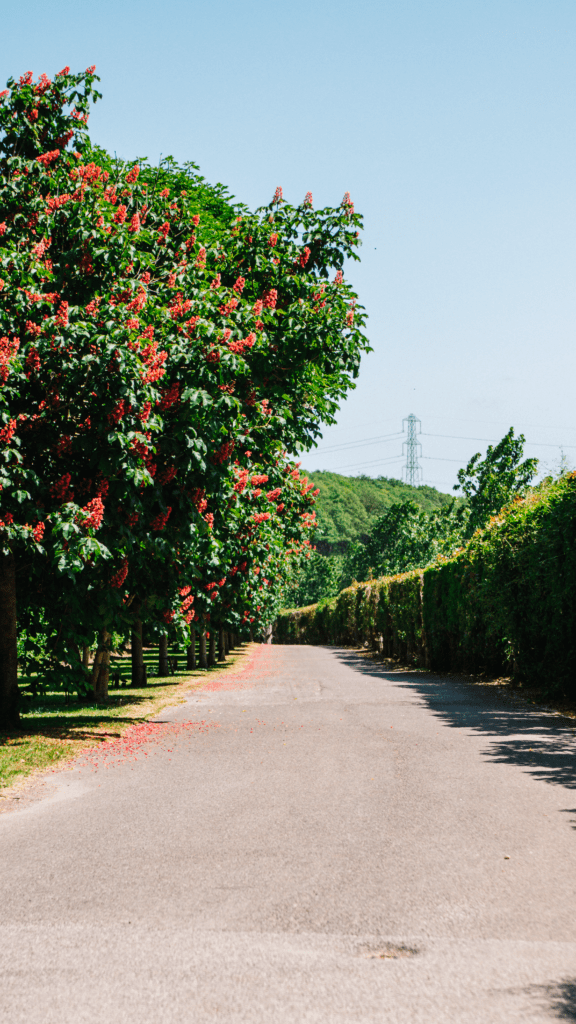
x: 560, y: 998
x: 539, y: 741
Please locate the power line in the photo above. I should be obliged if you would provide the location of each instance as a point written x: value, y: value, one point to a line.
x: 373, y: 462
x: 495, y: 440
x: 360, y: 444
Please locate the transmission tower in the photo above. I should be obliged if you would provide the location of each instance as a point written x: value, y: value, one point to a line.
x: 412, y: 449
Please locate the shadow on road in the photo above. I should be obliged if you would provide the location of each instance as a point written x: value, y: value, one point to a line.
x: 539, y: 741
x: 559, y: 1000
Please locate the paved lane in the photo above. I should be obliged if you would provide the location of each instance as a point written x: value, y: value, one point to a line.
x: 334, y: 844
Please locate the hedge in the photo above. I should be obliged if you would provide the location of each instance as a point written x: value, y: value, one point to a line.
x: 504, y: 604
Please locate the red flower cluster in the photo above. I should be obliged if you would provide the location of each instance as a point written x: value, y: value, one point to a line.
x: 159, y: 521
x: 61, y: 319
x: 117, y: 413
x: 180, y: 306
x: 170, y: 396
x: 118, y: 578
x: 201, y: 259
x: 7, y: 432
x: 198, y: 500
x: 238, y: 285
x: 224, y: 452
x: 167, y: 475
x: 154, y: 360
x: 277, y: 195
x: 270, y: 298
x: 273, y: 495
x: 133, y: 174
x: 304, y: 257
x: 226, y: 309
x: 260, y: 517
x: 273, y: 239
x: 60, y: 490
x: 48, y: 158
x: 38, y: 532
x: 244, y: 343
x: 95, y: 514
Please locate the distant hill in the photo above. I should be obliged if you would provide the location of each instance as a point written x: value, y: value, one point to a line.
x: 347, y: 505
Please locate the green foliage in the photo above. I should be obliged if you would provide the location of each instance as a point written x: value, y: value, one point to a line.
x: 506, y: 603
x: 318, y: 577
x: 163, y: 350
x: 406, y: 537
x: 496, y: 480
x: 347, y: 506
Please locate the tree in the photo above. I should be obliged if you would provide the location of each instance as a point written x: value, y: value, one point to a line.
x: 155, y: 342
x: 406, y: 537
x: 494, y: 482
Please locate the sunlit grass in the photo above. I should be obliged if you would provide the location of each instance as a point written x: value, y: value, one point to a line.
x: 56, y: 726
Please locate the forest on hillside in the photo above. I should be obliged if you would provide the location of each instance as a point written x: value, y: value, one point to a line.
x: 348, y: 506
x: 380, y: 527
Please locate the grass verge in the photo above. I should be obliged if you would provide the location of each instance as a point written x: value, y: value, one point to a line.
x: 55, y: 728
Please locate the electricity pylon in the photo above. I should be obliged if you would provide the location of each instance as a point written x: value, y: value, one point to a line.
x: 412, y: 449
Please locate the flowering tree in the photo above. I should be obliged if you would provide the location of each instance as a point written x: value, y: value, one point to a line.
x: 159, y: 349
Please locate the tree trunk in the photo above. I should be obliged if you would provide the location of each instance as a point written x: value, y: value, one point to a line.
x: 251, y: 635
x: 202, y: 649
x: 226, y: 648
x: 138, y: 667
x: 9, y: 695
x: 221, y: 646
x: 86, y: 656
x: 191, y: 652
x: 163, y: 666
x: 103, y: 674
x: 212, y: 651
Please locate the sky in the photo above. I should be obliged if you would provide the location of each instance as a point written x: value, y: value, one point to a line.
x: 451, y: 125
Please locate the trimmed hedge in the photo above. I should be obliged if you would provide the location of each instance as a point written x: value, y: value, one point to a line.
x: 504, y: 604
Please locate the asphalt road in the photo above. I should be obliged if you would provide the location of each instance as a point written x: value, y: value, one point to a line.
x: 335, y: 844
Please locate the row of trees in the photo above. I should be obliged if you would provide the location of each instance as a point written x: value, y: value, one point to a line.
x: 407, y: 536
x: 163, y: 353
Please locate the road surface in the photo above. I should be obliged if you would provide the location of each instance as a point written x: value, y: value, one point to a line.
x: 314, y: 840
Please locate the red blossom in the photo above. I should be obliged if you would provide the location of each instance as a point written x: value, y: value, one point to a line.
x: 118, y: 578
x: 7, y: 432
x: 38, y: 532
x: 61, y: 319
x: 159, y: 521
x: 94, y: 514
x: 48, y: 158
x: 60, y: 490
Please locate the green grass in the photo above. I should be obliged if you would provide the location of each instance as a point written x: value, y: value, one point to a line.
x: 55, y: 726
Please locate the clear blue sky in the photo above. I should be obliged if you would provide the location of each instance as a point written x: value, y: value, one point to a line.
x: 451, y: 123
